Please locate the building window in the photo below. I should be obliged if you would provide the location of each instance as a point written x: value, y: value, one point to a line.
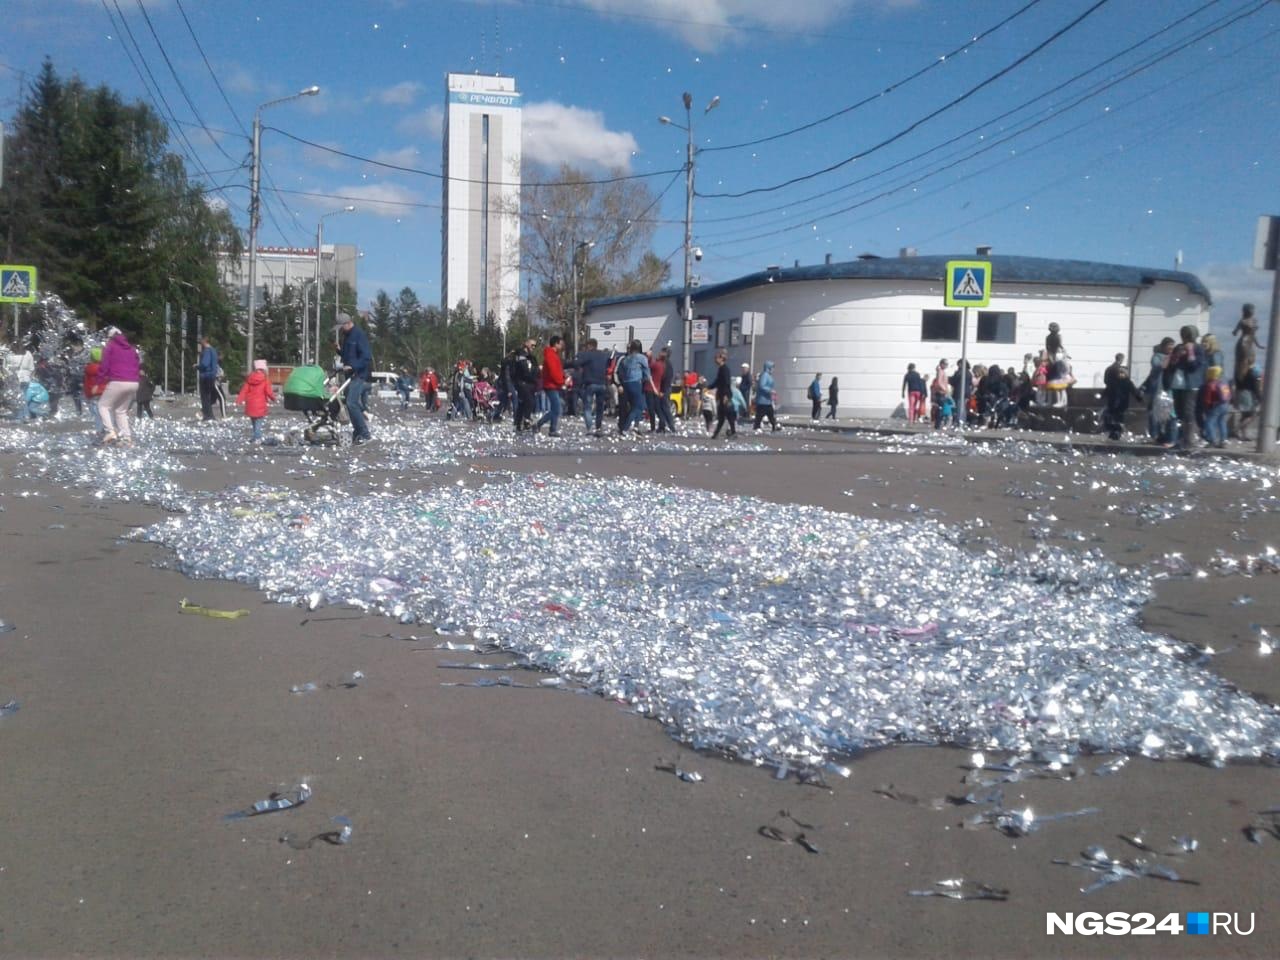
x: 940, y: 325
x: 997, y: 327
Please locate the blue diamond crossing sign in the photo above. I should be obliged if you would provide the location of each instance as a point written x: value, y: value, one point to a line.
x: 968, y: 283
x: 17, y: 283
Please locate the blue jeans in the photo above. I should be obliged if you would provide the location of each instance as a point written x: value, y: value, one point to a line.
x: 257, y: 427
x: 1215, y: 423
x: 635, y: 397
x: 553, y: 411
x: 356, y: 390
x: 593, y: 396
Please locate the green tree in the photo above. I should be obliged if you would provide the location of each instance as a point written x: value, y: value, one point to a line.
x: 93, y: 197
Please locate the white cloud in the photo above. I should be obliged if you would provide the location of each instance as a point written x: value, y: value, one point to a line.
x: 404, y: 157
x: 323, y: 158
x: 237, y: 79
x: 705, y: 24
x: 400, y: 95
x: 1234, y: 284
x: 556, y: 133
x: 380, y: 199
x: 428, y: 123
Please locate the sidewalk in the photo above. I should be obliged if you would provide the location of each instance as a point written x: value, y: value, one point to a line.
x: 1092, y: 443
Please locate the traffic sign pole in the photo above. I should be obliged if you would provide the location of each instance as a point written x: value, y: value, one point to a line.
x: 967, y: 284
x: 1270, y: 386
x: 961, y: 406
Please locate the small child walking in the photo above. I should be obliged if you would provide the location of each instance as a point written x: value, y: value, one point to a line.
x: 255, y: 395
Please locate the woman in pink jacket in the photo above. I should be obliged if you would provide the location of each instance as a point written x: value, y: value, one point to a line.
x: 118, y: 377
x: 255, y: 395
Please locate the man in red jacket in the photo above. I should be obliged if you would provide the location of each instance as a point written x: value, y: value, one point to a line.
x: 552, y: 385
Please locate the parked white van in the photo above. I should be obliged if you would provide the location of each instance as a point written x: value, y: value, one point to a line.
x: 383, y: 384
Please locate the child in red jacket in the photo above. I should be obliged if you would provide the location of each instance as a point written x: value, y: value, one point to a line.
x: 255, y: 395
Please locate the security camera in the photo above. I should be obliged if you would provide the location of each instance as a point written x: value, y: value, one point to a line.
x: 697, y: 253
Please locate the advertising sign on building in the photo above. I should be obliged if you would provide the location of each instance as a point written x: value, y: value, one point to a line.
x: 700, y: 329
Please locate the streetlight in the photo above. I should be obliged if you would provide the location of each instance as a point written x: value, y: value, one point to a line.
x: 578, y: 247
x: 687, y: 127
x: 319, y: 241
x: 253, y: 211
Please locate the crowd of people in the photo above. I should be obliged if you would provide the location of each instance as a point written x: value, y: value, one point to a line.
x: 1188, y: 395
x: 541, y: 387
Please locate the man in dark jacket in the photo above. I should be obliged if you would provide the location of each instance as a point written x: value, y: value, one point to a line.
x: 591, y: 370
x: 524, y: 375
x: 357, y: 358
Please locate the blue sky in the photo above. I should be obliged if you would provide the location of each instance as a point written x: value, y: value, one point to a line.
x: 1179, y: 156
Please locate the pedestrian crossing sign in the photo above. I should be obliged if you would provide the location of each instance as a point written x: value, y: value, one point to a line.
x: 17, y: 283
x: 968, y: 283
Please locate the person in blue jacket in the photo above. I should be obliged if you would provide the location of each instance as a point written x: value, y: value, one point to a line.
x: 357, y: 359
x: 764, y: 397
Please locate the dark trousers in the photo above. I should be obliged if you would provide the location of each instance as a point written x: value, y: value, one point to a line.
x: 1184, y: 408
x: 831, y: 414
x: 144, y: 408
x: 817, y: 409
x: 725, y: 411
x: 765, y: 410
x: 524, y: 405
x: 208, y: 397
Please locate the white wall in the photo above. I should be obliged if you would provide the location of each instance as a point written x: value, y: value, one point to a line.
x: 652, y: 326
x: 865, y: 332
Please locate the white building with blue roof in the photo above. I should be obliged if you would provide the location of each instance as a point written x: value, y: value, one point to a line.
x: 864, y: 320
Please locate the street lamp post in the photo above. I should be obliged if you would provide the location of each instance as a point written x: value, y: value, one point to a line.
x: 578, y: 247
x: 319, y: 242
x: 691, y: 155
x: 253, y: 211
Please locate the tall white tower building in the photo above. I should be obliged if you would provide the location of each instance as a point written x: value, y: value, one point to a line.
x: 481, y: 223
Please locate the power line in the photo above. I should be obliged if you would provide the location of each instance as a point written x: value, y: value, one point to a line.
x: 227, y: 100
x: 808, y: 221
x: 166, y: 114
x: 217, y: 83
x: 927, y: 117
x: 423, y: 205
x: 1178, y: 113
x: 493, y: 183
x: 182, y: 88
x: 937, y: 62
x: 1206, y: 31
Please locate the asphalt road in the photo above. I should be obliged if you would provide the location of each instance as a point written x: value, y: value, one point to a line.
x: 525, y: 822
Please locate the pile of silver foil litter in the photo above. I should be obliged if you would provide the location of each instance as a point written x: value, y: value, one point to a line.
x: 775, y: 633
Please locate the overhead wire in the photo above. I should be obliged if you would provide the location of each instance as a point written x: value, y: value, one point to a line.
x: 235, y: 116
x: 826, y: 194
x: 1048, y: 115
x: 933, y: 64
x: 182, y: 87
x: 157, y: 96
x: 893, y: 138
x: 492, y: 183
x: 1179, y: 112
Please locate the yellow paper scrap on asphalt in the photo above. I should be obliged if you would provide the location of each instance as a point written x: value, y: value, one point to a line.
x: 184, y: 607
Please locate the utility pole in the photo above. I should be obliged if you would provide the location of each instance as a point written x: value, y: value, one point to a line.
x: 1267, y: 257
x: 690, y: 159
x: 256, y: 146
